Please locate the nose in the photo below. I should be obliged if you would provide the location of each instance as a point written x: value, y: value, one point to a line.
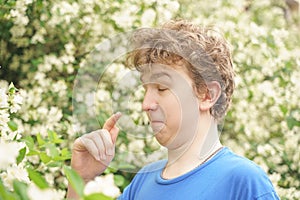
x: 149, y: 102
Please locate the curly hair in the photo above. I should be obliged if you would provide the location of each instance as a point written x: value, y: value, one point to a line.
x: 203, y: 52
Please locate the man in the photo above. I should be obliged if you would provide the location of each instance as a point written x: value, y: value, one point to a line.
x: 188, y: 79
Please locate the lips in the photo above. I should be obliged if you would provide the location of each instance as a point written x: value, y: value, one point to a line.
x: 157, y: 125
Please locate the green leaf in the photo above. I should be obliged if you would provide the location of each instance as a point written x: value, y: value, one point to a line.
x: 52, y: 150
x: 54, y: 164
x: 40, y: 140
x: 65, y: 152
x: 102, y: 117
x: 97, y: 196
x: 11, y: 89
x: 291, y: 122
x: 44, y: 157
x: 64, y: 155
x: 36, y: 62
x: 119, y: 180
x: 111, y: 169
x: 51, y: 135
x: 283, y: 109
x: 5, y: 194
x: 37, y: 178
x: 75, y: 180
x: 21, y: 155
x: 124, y: 165
x: 33, y: 153
x: 54, y: 137
x: 29, y: 142
x: 20, y: 189
x: 12, y: 125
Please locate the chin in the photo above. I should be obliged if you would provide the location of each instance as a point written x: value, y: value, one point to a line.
x: 161, y: 139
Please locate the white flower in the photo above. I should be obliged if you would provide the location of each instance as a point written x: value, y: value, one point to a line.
x: 103, y: 95
x: 103, y: 184
x: 173, y: 6
x: 3, y: 98
x: 14, y: 172
x: 70, y: 48
x: 39, y: 36
x: 125, y: 17
x: 9, y: 152
x: 16, y: 102
x: 66, y: 59
x: 90, y: 99
x: 59, y: 86
x: 267, y: 88
x: 49, y: 178
x: 105, y: 45
x: 153, y: 144
x: 17, y: 99
x: 87, y: 20
x: 76, y: 128
x: 55, y: 114
x: 28, y: 2
x: 36, y: 193
x: 128, y: 80
x: 42, y: 111
x: 10, y: 135
x: 39, y: 76
x: 136, y: 146
x: 70, y: 68
x: 126, y: 122
x: 148, y: 17
x: 35, y: 159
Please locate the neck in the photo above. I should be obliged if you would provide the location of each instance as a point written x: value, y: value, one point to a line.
x: 188, y: 156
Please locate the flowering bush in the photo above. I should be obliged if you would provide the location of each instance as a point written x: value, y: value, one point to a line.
x: 68, y: 85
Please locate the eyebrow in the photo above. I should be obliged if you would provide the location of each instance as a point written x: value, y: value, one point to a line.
x: 157, y: 76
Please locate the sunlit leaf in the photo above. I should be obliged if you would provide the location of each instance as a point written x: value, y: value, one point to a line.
x: 44, y: 157
x: 21, y: 155
x: 20, y: 189
x: 12, y: 125
x: 97, y: 196
x: 37, y: 178
x: 75, y: 180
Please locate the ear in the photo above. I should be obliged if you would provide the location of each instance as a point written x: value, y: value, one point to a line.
x: 211, y: 97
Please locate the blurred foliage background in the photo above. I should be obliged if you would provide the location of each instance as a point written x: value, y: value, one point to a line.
x: 44, y: 45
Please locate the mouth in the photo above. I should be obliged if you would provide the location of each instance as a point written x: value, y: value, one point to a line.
x: 157, y: 126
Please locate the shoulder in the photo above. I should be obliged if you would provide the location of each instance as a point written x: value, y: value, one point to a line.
x: 231, y: 166
x: 241, y: 165
x: 246, y: 176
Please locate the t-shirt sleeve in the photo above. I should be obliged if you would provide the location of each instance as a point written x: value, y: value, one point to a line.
x: 251, y: 182
x: 268, y: 196
x: 126, y: 193
x: 130, y: 190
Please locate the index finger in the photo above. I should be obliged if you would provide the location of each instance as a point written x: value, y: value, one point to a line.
x: 111, y: 122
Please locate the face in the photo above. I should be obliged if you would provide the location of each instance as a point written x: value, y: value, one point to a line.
x: 171, y: 104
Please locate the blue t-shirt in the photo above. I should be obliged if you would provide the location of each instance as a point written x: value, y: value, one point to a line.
x: 226, y: 176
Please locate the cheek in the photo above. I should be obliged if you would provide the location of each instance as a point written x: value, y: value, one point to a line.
x: 173, y: 111
x: 188, y: 109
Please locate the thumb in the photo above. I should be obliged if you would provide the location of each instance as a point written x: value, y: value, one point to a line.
x: 111, y: 122
x: 110, y: 125
x: 114, y: 132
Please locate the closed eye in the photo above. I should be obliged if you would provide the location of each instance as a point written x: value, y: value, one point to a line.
x: 158, y: 87
x: 161, y: 89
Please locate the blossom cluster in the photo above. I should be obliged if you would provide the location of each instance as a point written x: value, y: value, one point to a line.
x: 12, y: 165
x: 66, y: 58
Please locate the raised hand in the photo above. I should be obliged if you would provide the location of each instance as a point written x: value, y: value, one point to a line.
x: 93, y: 152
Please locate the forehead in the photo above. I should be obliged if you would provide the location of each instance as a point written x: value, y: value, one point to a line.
x: 160, y: 71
